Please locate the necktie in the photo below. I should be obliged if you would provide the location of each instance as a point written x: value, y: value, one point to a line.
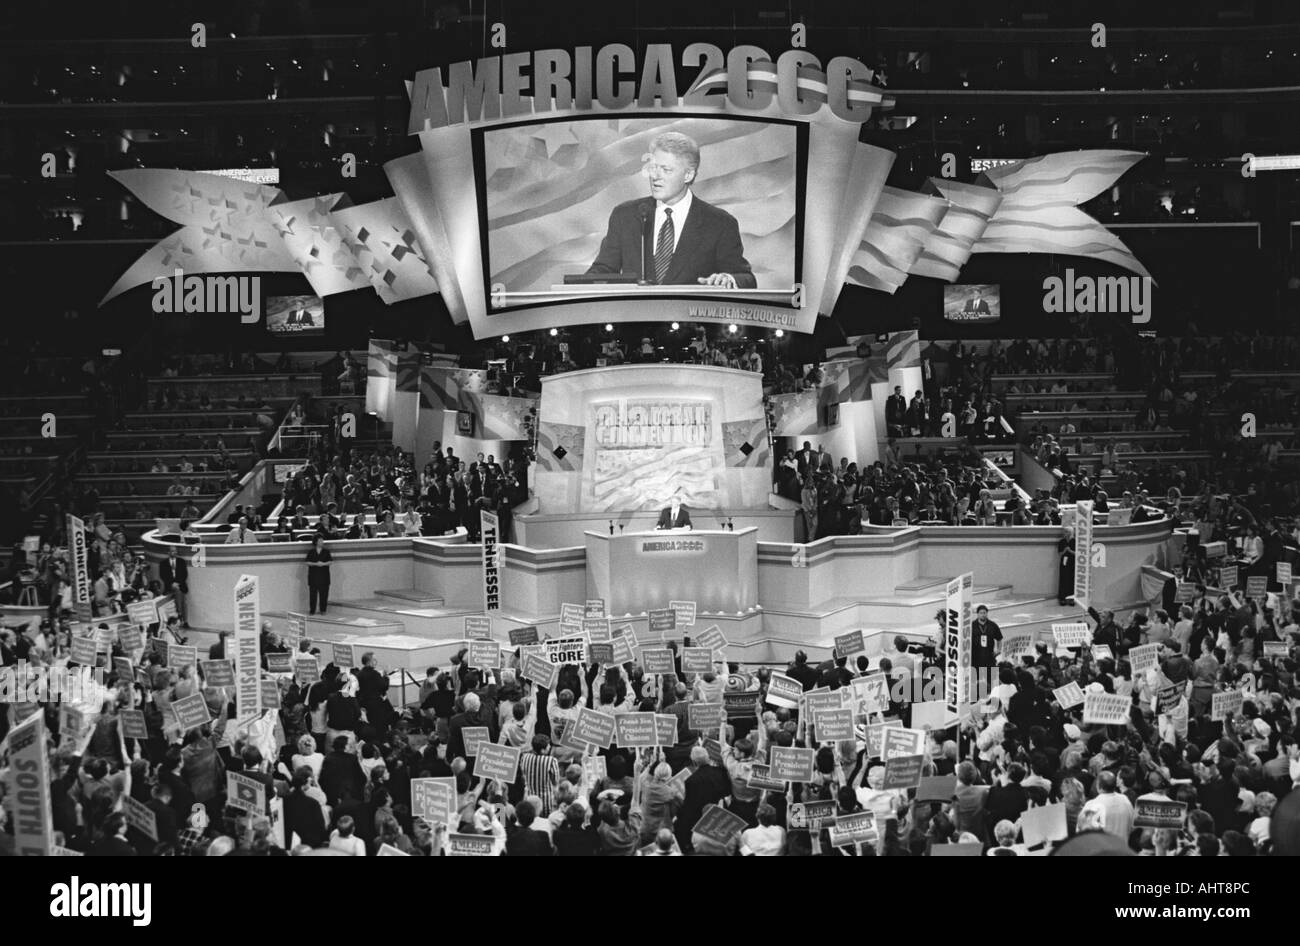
x: 664, y: 246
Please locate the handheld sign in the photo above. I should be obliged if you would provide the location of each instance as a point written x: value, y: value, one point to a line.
x: 939, y: 788
x: 903, y: 771
x: 621, y: 651
x: 180, y: 655
x: 1226, y: 705
x: 846, y: 645
x: 870, y: 694
x: 218, y: 673
x: 84, y: 650
x: 1185, y: 591
x: 519, y: 636
x: 161, y: 648
x: 123, y: 667
x: 813, y: 814
x: 791, y: 764
x: 1284, y: 573
x: 484, y: 655
x: 540, y: 670
x: 387, y: 850
x: 1102, y: 652
x: 712, y: 638
x: 783, y: 691
x: 705, y: 716
x: 600, y: 653
x: 823, y: 701
x: 1276, y: 648
x: 658, y: 660
x: 963, y: 849
x: 594, y: 727
x: 1143, y: 657
x: 663, y: 620
x: 1109, y: 709
x: 498, y: 762
x: 270, y: 694
x: 245, y: 792
x: 903, y: 742
x: 1013, y: 648
x: 1045, y: 823
x: 572, y: 615
x: 478, y: 628
x: 434, y: 799
x: 130, y: 637
x: 876, y: 737
x: 133, y: 724
x: 697, y: 660
x: 279, y: 663
x: 1154, y: 813
x: 1256, y: 586
x: 635, y: 731
x: 191, y: 711
x: 1073, y: 634
x: 142, y: 613
x: 1228, y: 577
x: 683, y: 613
x: 474, y: 737
x: 760, y: 777
x: 719, y: 825
x: 305, y: 670
x: 1170, y: 697
x: 141, y: 817
x: 739, y: 703
x: 469, y: 845
x: 594, y: 608
x: 857, y: 828
x: 666, y: 729
x: 570, y: 650
x: 343, y: 656
x: 596, y: 630
x: 834, y: 725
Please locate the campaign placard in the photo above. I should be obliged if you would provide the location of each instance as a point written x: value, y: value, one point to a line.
x: 739, y: 703
x: 1256, y: 586
x: 1014, y: 648
x: 1226, y: 705
x: 705, y: 716
x: 245, y: 792
x: 870, y: 694
x: 160, y: 647
x: 387, y: 850
x: 600, y: 653
x: 1044, y: 823
x: 84, y: 650
x: 1284, y: 573
x: 569, y: 650
x: 279, y: 663
x: 666, y: 728
x: 129, y: 636
x: 470, y: 845
x: 572, y: 614
x: 344, y: 659
x: 791, y: 764
x: 1109, y: 709
x: 784, y: 691
x: 760, y: 777
x: 940, y: 788
x: 876, y: 737
x: 1228, y: 577
x: 474, y: 737
x: 123, y: 667
x: 270, y: 693
x: 833, y: 725
x: 635, y: 731
x: 181, y: 655
x: 478, y: 628
x: 540, y: 670
x: 846, y: 645
x: 521, y: 636
x: 662, y: 620
x: 1102, y: 652
x: 594, y: 727
x: 683, y: 613
x: 1156, y: 813
x: 903, y: 742
x: 484, y: 655
x: 218, y: 673
x: 857, y: 828
x: 622, y: 646
x: 594, y: 608
x: 718, y: 824
x: 306, y: 670
x: 813, y: 814
x: 1184, y: 592
x: 1276, y: 648
x: 142, y: 613
x: 1143, y: 657
x: 711, y: 637
x: 498, y: 762
x: 823, y: 700
x: 1170, y: 697
x: 903, y: 771
x: 141, y: 817
x: 1072, y: 634
x: 697, y: 660
x: 1069, y: 695
x: 434, y: 799
x: 191, y: 711
x: 133, y: 724
x: 657, y: 660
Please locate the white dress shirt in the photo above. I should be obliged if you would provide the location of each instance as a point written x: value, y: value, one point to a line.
x: 681, y: 210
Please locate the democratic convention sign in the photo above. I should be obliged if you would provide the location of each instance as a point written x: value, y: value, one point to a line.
x: 585, y: 148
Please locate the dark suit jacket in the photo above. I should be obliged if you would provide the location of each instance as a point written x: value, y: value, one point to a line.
x: 302, y: 814
x: 666, y: 520
x: 180, y: 576
x: 525, y: 842
x: 709, y: 243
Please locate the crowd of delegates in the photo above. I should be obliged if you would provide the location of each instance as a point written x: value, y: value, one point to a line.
x: 341, y: 756
x: 839, y: 499
x: 340, y: 373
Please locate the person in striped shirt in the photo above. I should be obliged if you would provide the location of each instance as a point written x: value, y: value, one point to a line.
x: 541, y: 772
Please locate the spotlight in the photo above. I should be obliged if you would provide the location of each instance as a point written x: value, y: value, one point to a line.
x: 676, y: 326
x: 732, y: 328
x: 554, y: 332
x: 609, y: 327
x: 780, y: 333
x: 505, y: 338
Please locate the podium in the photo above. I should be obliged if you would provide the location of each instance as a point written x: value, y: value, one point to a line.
x: 638, y: 571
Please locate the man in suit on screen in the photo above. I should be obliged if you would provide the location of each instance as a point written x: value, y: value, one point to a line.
x: 976, y: 305
x: 674, y: 515
x: 685, y: 240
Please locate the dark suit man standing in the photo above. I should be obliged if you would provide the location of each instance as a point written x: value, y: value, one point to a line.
x: 685, y: 240
x: 977, y: 305
x: 895, y: 412
x: 175, y: 575
x: 674, y: 516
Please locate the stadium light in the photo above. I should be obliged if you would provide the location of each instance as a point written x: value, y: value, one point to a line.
x: 554, y: 332
x: 780, y: 333
x: 505, y: 338
x: 676, y: 326
x: 609, y: 327
x: 732, y: 328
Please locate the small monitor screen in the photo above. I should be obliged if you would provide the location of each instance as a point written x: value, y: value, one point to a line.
x: 295, y: 315
x: 972, y: 303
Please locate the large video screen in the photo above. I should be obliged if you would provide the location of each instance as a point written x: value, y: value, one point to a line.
x: 589, y: 200
x: 290, y: 315
x: 972, y: 303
